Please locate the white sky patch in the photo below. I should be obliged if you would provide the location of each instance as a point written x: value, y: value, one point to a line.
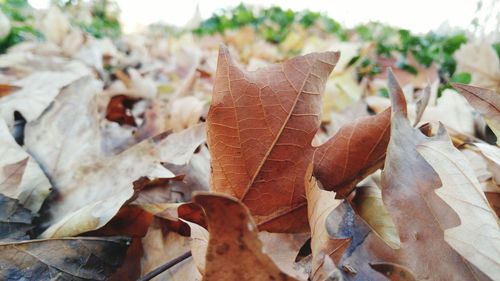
x: 419, y: 16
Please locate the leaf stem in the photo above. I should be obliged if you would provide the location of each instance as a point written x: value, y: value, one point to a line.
x: 164, y: 267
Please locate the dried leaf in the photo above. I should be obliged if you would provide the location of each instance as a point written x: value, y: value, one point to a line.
x: 20, y: 176
x: 477, y: 238
x: 320, y: 204
x: 160, y: 246
x: 69, y: 150
x: 260, y: 128
x: 482, y: 62
x: 37, y: 92
x: 119, y: 108
x: 486, y: 102
x: 233, y: 237
x: 80, y: 258
x: 357, y: 150
x: 15, y: 220
x: 420, y: 215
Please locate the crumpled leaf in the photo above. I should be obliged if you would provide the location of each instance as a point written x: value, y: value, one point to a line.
x: 20, y: 176
x: 65, y: 141
x: 420, y: 215
x: 486, y: 102
x: 477, y: 238
x: 234, y: 250
x: 260, y: 128
x: 37, y: 92
x: 369, y: 206
x: 15, y: 220
x: 79, y: 258
x: 482, y: 62
x: 365, y: 248
x: 160, y: 246
x: 320, y: 204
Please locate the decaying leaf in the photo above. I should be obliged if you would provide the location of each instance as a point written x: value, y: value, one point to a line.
x: 420, y: 215
x: 79, y: 258
x: 37, y: 92
x: 482, y: 62
x: 486, y: 102
x: 234, y: 250
x: 20, y: 175
x: 260, y: 128
x: 477, y: 238
x: 160, y: 246
x: 15, y: 220
x: 369, y: 206
x: 65, y: 141
x: 320, y: 204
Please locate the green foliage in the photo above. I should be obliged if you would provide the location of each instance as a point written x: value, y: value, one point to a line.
x: 20, y: 14
x: 273, y: 24
x: 462, y: 77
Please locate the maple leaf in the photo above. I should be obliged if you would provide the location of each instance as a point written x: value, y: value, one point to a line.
x: 260, y: 128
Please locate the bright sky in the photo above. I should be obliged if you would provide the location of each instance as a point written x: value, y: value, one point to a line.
x: 416, y: 15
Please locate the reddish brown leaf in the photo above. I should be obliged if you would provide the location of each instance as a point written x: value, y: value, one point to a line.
x: 6, y: 89
x: 260, y: 128
x: 357, y: 150
x: 234, y: 250
x: 118, y: 110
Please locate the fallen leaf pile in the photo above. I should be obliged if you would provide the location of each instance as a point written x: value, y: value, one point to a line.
x: 178, y: 158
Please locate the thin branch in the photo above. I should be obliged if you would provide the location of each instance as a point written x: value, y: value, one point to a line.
x: 164, y: 267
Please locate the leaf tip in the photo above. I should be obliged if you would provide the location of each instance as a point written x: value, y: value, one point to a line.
x: 397, y: 96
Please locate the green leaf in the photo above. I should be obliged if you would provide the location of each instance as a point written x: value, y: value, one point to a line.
x: 462, y: 77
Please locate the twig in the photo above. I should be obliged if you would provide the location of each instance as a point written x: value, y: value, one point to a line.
x: 164, y: 267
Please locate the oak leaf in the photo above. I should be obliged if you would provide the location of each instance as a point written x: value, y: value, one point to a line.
x: 477, y: 238
x: 420, y: 215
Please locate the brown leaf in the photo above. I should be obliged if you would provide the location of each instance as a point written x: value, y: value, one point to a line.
x: 7, y: 89
x: 118, y: 110
x: 79, y: 258
x: 357, y: 150
x: 260, y: 128
x: 234, y: 249
x: 486, y: 102
x: 420, y: 215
